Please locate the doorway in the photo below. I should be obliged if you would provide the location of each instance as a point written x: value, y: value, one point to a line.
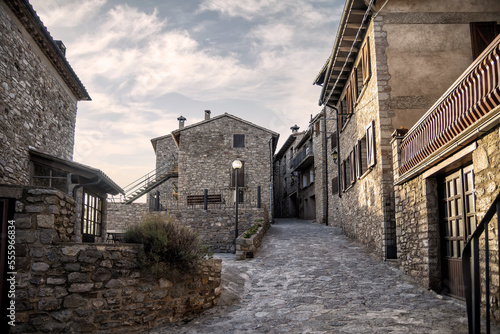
x: 457, y: 222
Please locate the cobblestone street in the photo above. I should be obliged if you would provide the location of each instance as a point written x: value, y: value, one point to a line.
x: 308, y: 278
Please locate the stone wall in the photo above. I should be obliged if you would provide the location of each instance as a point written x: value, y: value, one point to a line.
x: 65, y: 286
x: 100, y: 288
x: 217, y: 227
x: 36, y: 108
x: 247, y: 247
x: 121, y: 216
x: 417, y: 226
x: 486, y: 161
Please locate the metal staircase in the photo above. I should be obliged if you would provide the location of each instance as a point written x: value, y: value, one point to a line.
x: 148, y: 182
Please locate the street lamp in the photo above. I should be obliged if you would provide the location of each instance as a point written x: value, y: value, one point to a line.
x: 236, y: 166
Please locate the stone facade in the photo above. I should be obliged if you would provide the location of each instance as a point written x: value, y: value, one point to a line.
x: 38, y: 104
x: 207, y: 150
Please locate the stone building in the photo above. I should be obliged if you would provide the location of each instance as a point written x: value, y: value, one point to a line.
x: 390, y: 62
x: 446, y: 174
x: 38, y: 99
x: 206, y: 152
x: 286, y: 182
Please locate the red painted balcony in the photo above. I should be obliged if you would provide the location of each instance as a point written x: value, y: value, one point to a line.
x: 470, y: 100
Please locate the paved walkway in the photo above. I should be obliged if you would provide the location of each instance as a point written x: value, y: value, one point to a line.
x: 308, y: 278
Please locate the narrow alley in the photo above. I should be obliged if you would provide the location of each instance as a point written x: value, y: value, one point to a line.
x: 308, y: 278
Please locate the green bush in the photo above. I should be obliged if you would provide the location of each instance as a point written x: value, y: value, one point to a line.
x: 168, y: 247
x: 251, y: 231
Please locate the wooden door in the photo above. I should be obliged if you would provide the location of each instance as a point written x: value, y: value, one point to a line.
x: 458, y: 221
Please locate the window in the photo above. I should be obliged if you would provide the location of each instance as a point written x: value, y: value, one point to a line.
x: 371, y: 158
x: 238, y: 140
x: 482, y: 34
x: 311, y: 176
x: 45, y: 176
x: 365, y: 61
x: 346, y: 173
x: 333, y: 141
x: 316, y: 128
x: 342, y: 117
x: 241, y: 176
x: 335, y: 185
x: 91, y: 216
x: 361, y: 165
x: 304, y: 181
x: 352, y: 167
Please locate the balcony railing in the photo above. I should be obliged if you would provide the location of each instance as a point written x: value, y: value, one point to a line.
x: 473, y: 96
x: 304, y: 158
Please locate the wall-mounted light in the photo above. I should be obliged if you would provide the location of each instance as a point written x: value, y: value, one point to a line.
x: 335, y: 156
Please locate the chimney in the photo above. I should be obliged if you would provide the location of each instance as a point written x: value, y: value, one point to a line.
x: 207, y: 115
x: 295, y: 128
x: 61, y: 47
x: 181, y: 120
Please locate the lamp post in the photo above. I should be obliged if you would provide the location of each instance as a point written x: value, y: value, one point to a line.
x: 236, y: 166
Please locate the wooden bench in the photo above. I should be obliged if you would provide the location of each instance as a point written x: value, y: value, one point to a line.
x: 200, y: 199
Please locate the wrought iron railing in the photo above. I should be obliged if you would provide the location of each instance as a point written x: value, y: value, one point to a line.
x: 306, y: 151
x: 472, y: 273
x: 472, y: 96
x: 147, y: 182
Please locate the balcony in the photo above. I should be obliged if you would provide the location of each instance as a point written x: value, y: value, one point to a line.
x: 469, y: 107
x: 303, y: 159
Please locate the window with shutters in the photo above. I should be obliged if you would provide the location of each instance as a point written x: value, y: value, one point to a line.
x: 333, y: 141
x: 362, y: 72
x: 361, y: 157
x: 352, y: 167
x: 482, y: 34
x: 346, y: 173
x: 371, y: 158
x: 238, y: 140
x: 241, y: 176
x: 316, y: 128
x: 311, y: 176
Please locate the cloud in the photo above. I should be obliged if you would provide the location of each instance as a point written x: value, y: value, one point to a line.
x: 58, y: 13
x: 248, y: 9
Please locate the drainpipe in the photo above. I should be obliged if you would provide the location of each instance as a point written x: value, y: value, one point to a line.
x: 325, y: 179
x: 93, y: 183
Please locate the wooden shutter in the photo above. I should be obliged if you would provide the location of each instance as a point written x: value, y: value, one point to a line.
x: 238, y: 140
x: 352, y: 169
x: 365, y: 54
x: 354, y: 86
x: 359, y: 160
x: 370, y: 144
x: 333, y: 139
x: 241, y: 175
x: 342, y: 175
x: 349, y: 100
x: 482, y: 34
x: 339, y: 114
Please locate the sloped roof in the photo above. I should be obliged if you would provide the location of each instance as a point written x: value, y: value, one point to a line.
x: 287, y: 144
x: 177, y: 133
x: 35, y: 27
x: 335, y: 72
x: 108, y: 185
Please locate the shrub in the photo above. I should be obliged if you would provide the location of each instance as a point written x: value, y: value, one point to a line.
x: 251, y: 231
x: 168, y: 247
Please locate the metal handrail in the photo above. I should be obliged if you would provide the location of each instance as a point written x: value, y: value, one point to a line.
x: 471, y: 271
x: 138, y: 186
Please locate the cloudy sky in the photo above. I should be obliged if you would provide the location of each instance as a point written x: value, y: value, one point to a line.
x: 145, y: 63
